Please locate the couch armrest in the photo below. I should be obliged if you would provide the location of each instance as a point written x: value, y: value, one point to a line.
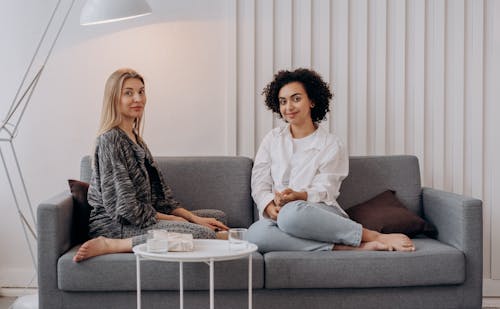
x: 54, y: 238
x: 459, y: 221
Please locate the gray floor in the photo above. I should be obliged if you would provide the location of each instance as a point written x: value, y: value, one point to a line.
x: 5, y: 303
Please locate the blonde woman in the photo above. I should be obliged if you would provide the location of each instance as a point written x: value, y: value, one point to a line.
x: 127, y: 191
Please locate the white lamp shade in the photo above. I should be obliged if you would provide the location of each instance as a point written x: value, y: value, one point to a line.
x: 105, y: 11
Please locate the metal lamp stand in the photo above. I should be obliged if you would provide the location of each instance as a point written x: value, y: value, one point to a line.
x: 94, y: 12
x: 8, y: 131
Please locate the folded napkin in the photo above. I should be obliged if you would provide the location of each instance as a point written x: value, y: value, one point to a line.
x: 177, y: 242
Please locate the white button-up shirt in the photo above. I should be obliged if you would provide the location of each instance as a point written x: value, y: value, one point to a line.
x: 318, y: 170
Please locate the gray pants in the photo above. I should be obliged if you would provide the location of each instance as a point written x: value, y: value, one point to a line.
x: 305, y: 226
x: 139, y: 236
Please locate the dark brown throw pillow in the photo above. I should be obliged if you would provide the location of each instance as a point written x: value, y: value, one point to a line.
x: 81, y: 210
x: 386, y: 214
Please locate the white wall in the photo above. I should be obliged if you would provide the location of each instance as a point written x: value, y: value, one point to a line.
x: 415, y: 77
x: 180, y: 49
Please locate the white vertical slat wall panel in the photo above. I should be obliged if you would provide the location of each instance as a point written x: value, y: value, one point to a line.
x: 246, y: 77
x: 283, y: 38
x: 339, y: 71
x: 489, y: 120
x: 321, y: 44
x: 283, y: 34
x: 455, y: 78
x: 302, y: 35
x: 415, y: 79
x: 396, y: 26
x: 409, y: 77
x: 376, y: 86
x: 474, y: 33
x: 435, y: 93
x: 232, y: 79
x: 492, y: 139
x: 264, y: 68
x: 357, y: 78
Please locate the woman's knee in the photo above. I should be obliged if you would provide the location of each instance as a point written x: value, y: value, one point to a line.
x: 290, y: 215
x: 259, y: 233
x: 212, y: 213
x: 203, y: 232
x: 258, y: 230
x: 198, y: 231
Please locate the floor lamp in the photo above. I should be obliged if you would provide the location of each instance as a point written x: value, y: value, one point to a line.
x: 93, y: 12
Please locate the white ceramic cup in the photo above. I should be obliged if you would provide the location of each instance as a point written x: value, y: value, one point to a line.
x: 237, y: 239
x: 157, y: 241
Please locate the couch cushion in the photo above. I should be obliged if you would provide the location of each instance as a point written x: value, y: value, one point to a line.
x: 206, y: 182
x: 117, y: 272
x: 433, y: 263
x: 385, y: 213
x: 372, y: 175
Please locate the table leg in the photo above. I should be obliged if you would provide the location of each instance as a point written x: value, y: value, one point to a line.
x: 250, y: 281
x: 138, y: 275
x: 181, y: 286
x: 211, y: 284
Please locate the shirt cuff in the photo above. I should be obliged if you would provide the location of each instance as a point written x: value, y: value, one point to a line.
x: 266, y: 199
x: 314, y: 196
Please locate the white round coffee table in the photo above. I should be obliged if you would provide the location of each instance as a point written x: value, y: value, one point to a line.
x: 205, y: 250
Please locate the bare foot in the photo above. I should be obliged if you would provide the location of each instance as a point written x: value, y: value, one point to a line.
x: 397, y: 242
x: 102, y: 245
x: 373, y: 246
x: 365, y: 246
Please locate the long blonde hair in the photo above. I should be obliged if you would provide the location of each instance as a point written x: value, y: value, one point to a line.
x: 110, y: 114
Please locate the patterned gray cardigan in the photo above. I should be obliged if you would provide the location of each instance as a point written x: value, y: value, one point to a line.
x: 126, y: 187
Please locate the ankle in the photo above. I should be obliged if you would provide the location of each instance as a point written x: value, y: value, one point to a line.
x: 369, y: 235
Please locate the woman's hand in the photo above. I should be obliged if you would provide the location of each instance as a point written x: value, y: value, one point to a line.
x: 272, y: 210
x: 278, y: 199
x: 211, y: 223
x: 287, y: 196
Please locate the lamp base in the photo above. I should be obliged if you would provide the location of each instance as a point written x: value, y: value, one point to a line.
x: 26, y: 302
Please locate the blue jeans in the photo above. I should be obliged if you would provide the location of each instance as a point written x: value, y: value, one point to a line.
x: 305, y: 226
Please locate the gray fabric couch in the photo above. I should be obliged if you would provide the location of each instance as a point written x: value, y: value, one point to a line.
x: 443, y: 273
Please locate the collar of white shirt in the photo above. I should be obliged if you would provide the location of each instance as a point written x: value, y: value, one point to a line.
x: 318, y: 143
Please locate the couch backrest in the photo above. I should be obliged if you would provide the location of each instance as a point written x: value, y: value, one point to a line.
x: 371, y: 175
x: 224, y: 182
x: 206, y: 182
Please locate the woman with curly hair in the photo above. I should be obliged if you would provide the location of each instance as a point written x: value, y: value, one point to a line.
x: 297, y: 174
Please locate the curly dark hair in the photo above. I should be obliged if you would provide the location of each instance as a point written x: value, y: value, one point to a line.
x: 317, y: 90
